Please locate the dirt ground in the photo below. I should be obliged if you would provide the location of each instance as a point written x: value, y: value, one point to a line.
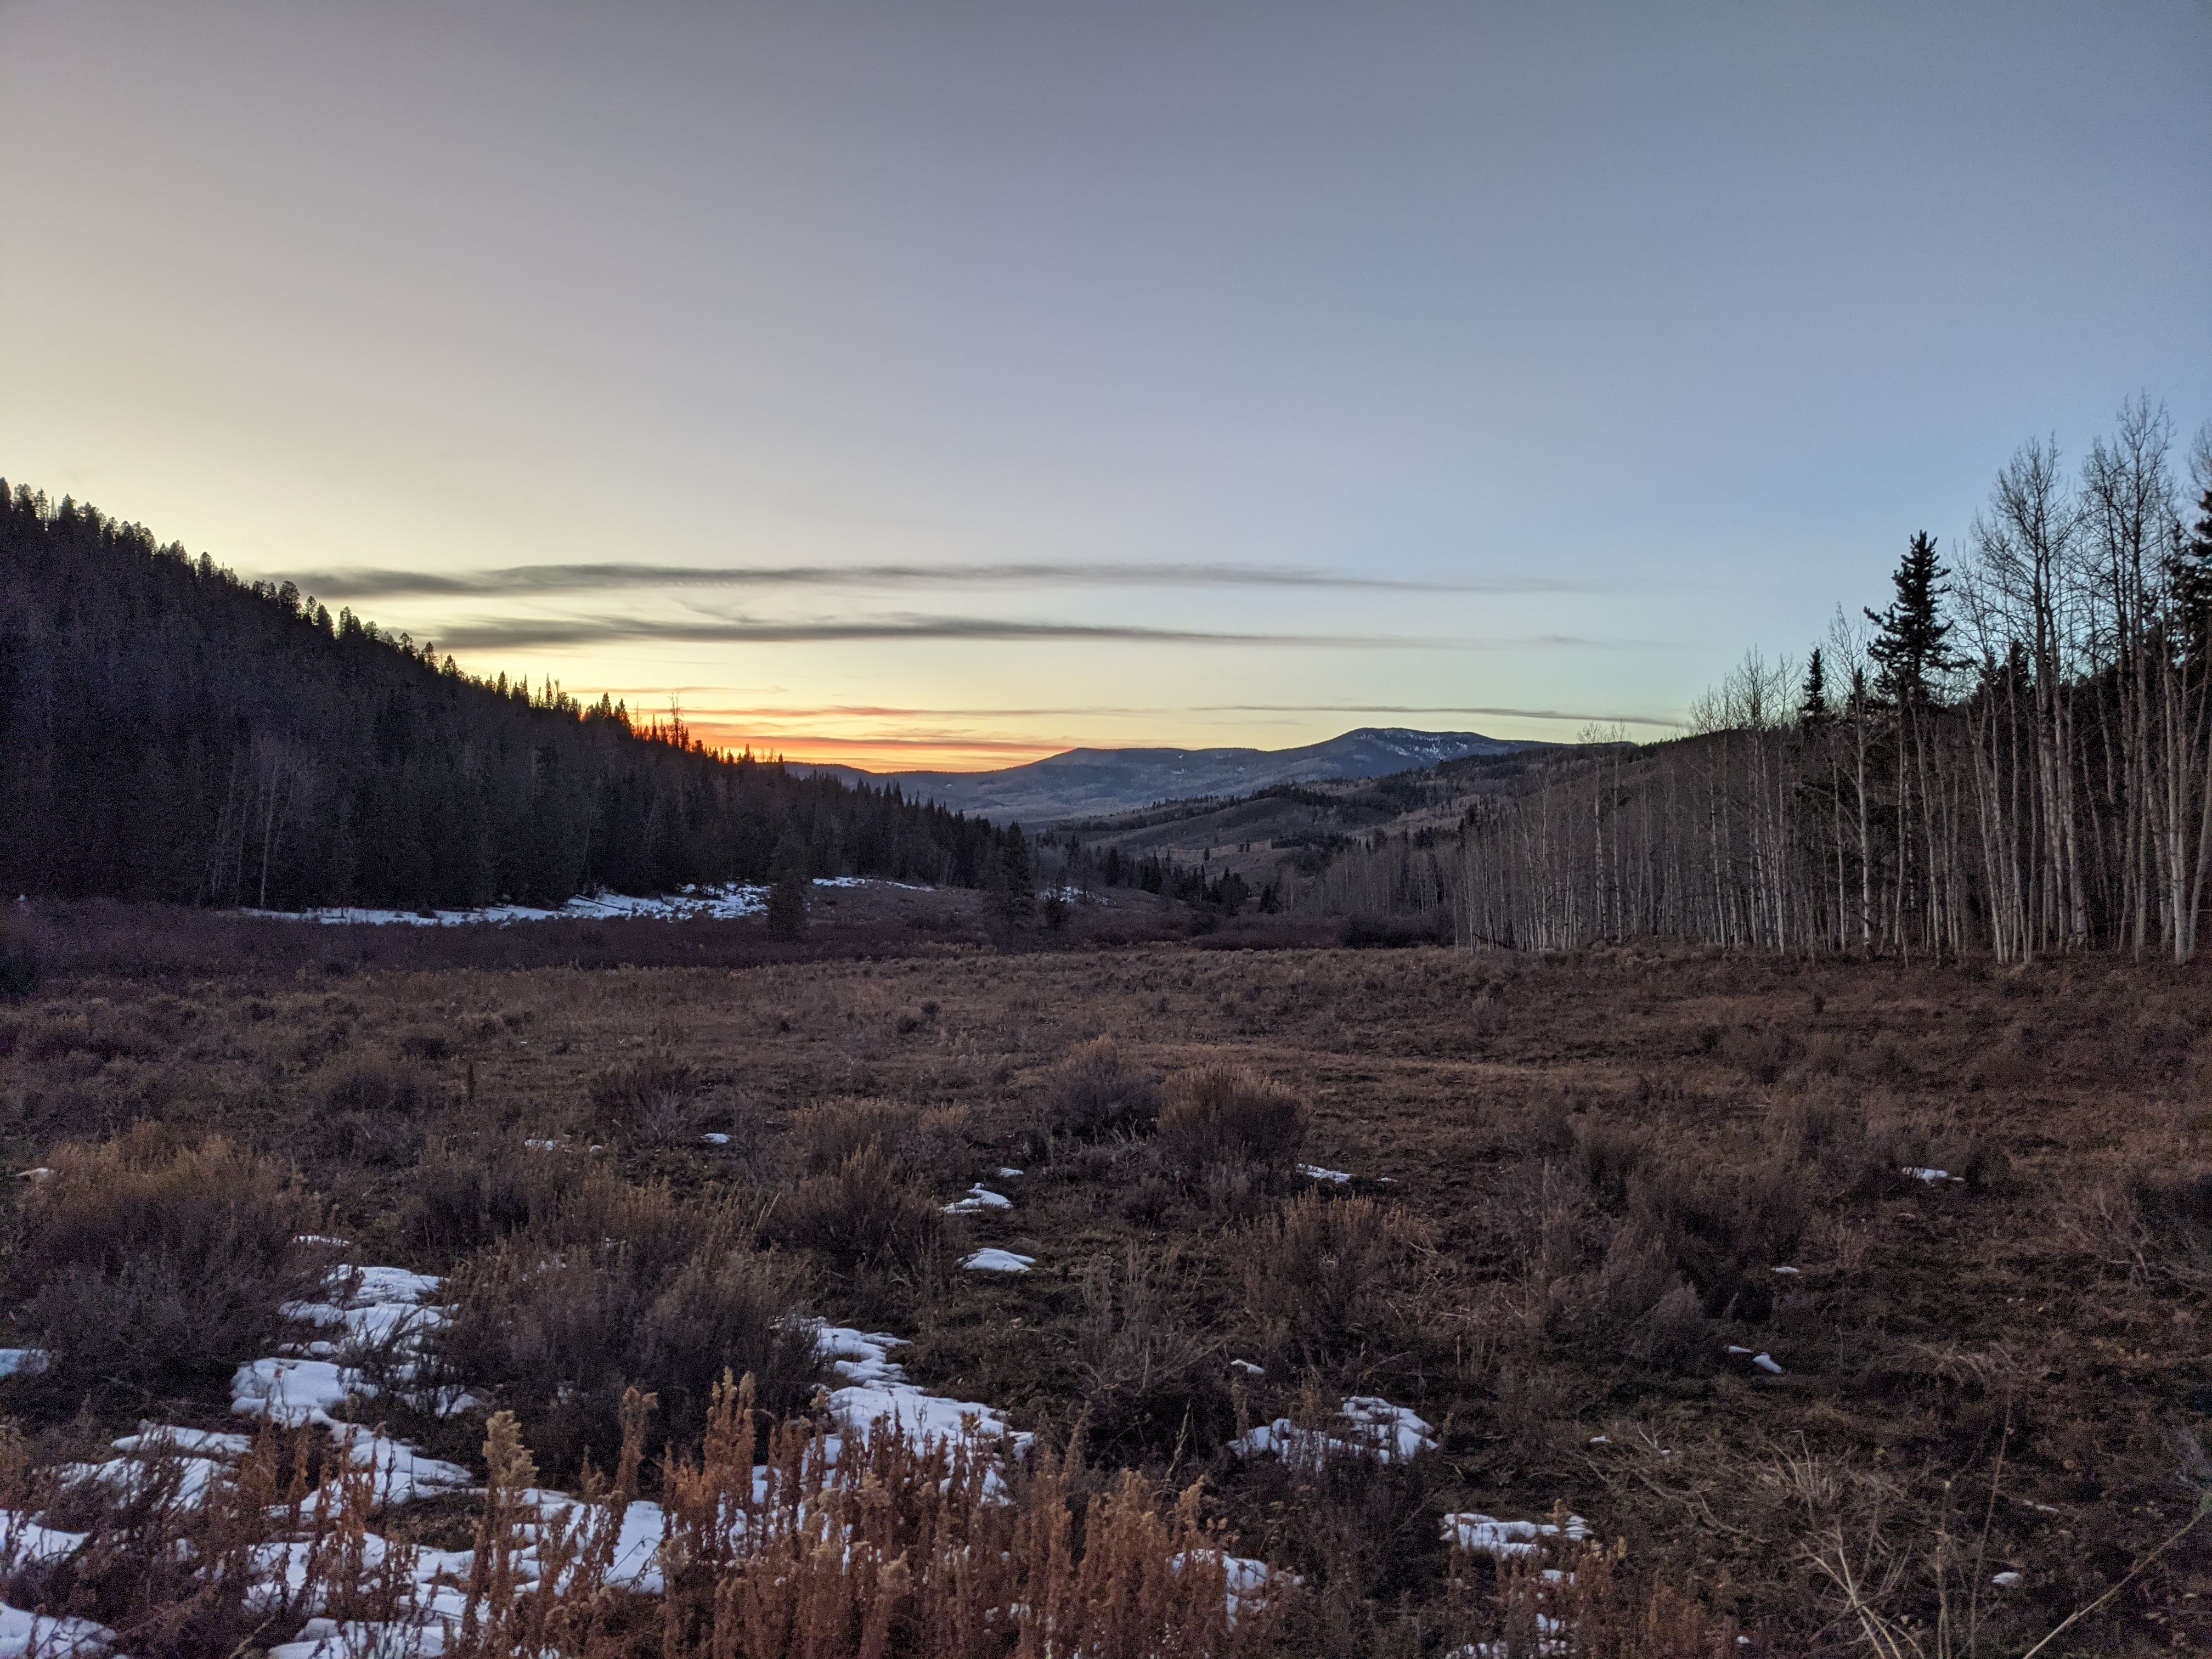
x: 1591, y: 1171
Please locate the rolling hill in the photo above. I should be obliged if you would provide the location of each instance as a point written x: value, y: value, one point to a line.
x: 1092, y: 782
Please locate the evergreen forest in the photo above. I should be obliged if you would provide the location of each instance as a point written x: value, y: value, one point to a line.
x: 170, y: 733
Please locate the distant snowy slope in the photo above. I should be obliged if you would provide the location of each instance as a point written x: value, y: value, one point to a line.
x: 1084, y: 782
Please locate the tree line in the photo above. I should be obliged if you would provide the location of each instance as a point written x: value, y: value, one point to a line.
x: 2013, y: 757
x: 170, y: 733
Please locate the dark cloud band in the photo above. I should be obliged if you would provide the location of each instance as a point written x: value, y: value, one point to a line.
x: 519, y: 633
x: 367, y: 582
x: 767, y: 714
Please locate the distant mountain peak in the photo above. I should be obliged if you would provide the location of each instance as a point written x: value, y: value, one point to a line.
x: 1091, y: 782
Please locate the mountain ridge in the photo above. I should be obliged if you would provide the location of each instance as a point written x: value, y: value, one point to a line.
x: 1086, y: 781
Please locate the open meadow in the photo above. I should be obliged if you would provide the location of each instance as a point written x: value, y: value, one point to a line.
x: 1847, y: 1305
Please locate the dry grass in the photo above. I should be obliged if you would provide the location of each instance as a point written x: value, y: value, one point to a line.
x: 151, y: 1258
x: 1221, y: 1117
x: 1605, y: 1158
x: 171, y: 1573
x: 562, y: 1320
x: 1151, y: 1384
x: 1319, y: 1276
x: 1092, y: 1094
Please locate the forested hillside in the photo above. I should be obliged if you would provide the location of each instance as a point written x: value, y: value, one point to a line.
x: 170, y: 733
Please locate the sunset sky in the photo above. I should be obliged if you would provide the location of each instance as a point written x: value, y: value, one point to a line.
x: 944, y: 385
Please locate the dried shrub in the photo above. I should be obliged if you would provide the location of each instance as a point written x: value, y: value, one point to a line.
x: 647, y: 1101
x: 2006, y: 1069
x: 1634, y: 1305
x: 147, y: 1259
x: 426, y: 1045
x: 926, y: 1145
x: 1760, y: 1055
x: 2154, y: 1226
x: 1725, y: 1228
x: 936, y: 1558
x: 1318, y: 1274
x: 98, y: 1029
x: 1149, y: 1385
x: 1357, y: 1529
x: 1608, y: 1153
x: 368, y: 1139
x: 466, y: 1200
x: 376, y: 1089
x: 664, y: 1302
x: 1092, y: 1095
x: 743, y: 1124
x: 865, y: 1214
x: 1217, y: 1115
x: 1841, y: 1151
x: 1582, y: 1600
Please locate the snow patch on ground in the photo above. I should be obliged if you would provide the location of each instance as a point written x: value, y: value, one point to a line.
x: 24, y: 1542
x: 1245, y: 1580
x: 46, y: 1636
x: 726, y: 903
x: 1315, y: 1172
x: 1764, y: 1360
x: 1372, y: 1427
x: 979, y: 1199
x: 997, y: 1261
x: 398, y: 1307
x: 876, y: 1390
x: 1505, y: 1540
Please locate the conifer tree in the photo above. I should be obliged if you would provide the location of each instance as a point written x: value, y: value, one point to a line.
x: 2190, y: 575
x: 1909, y: 643
x: 791, y: 887
x: 1813, y: 704
x: 1014, y: 883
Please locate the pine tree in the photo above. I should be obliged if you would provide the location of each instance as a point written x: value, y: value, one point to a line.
x: 791, y: 887
x: 1910, y: 643
x: 2190, y: 574
x: 1013, y: 887
x: 1813, y: 705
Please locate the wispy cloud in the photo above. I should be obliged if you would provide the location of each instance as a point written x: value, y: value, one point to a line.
x: 517, y: 633
x: 1499, y: 713
x: 881, y: 711
x: 360, y: 582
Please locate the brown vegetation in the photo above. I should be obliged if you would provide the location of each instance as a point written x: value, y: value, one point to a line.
x: 1575, y: 1179
x: 154, y: 1257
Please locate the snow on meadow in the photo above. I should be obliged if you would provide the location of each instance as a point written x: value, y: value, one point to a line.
x: 877, y: 1392
x: 724, y: 903
x: 1368, y: 1426
x: 997, y: 1261
x: 314, y: 1383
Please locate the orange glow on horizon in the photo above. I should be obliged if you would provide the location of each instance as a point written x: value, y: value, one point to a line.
x: 879, y: 753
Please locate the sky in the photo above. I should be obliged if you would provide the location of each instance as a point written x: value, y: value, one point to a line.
x: 944, y: 385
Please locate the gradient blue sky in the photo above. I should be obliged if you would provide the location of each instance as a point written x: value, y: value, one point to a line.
x: 973, y: 381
